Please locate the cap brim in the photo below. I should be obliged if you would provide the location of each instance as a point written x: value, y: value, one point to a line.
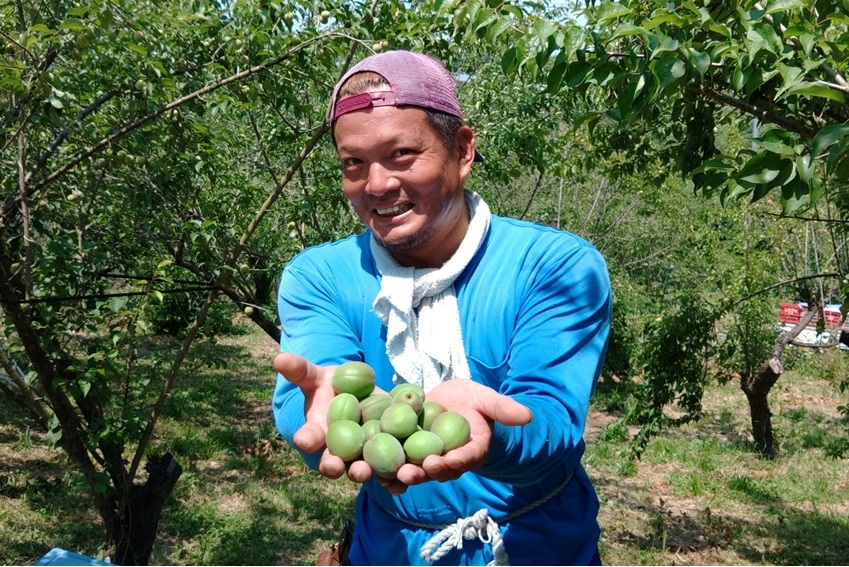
x: 479, y: 157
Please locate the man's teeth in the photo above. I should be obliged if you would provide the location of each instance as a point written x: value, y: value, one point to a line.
x: 397, y: 209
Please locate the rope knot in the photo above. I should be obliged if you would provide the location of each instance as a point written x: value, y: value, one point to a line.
x: 478, y: 526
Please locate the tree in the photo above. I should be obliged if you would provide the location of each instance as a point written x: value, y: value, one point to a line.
x: 666, y: 77
x: 151, y: 148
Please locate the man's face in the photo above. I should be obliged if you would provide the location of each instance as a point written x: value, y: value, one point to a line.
x: 404, y: 183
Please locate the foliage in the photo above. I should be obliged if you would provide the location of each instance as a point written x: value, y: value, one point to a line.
x: 676, y: 356
x: 671, y: 71
x: 245, y: 498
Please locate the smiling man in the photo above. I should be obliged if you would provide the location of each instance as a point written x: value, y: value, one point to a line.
x: 504, y: 321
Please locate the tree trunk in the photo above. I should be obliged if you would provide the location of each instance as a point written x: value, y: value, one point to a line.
x: 757, y: 391
x: 138, y: 524
x: 757, y: 386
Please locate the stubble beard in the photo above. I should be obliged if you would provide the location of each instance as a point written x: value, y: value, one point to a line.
x: 408, y: 242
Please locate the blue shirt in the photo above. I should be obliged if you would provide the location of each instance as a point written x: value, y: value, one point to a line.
x: 534, y: 307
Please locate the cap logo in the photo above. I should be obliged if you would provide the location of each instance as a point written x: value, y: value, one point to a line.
x: 364, y: 100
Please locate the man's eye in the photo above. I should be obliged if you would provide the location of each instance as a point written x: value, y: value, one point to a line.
x: 350, y: 162
x: 403, y: 152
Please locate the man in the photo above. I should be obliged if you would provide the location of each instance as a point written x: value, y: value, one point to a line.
x: 501, y: 320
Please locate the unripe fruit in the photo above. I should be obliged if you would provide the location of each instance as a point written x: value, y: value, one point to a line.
x: 377, y: 47
x: 452, y: 428
x: 429, y: 411
x: 384, y: 454
x: 355, y: 378
x: 244, y: 268
x: 412, y: 399
x: 371, y: 427
x: 289, y: 16
x: 406, y: 386
x: 373, y: 407
x: 138, y: 36
x: 343, y: 406
x: 249, y: 310
x: 325, y: 15
x: 345, y: 439
x: 399, y: 420
x: 420, y: 445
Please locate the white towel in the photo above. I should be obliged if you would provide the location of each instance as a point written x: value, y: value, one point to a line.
x: 424, y: 340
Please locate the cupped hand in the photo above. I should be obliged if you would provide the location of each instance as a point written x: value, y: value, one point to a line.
x: 316, y: 384
x: 481, y: 406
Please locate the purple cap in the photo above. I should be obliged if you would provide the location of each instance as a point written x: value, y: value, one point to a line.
x: 414, y: 79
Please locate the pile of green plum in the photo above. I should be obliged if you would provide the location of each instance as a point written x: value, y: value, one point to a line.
x: 387, y: 430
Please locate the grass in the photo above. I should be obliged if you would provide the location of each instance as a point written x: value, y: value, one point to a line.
x: 699, y: 495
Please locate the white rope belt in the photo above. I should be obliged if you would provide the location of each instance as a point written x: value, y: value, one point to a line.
x: 480, y: 526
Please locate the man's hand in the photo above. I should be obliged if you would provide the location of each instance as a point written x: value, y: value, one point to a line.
x: 482, y: 406
x: 315, y: 383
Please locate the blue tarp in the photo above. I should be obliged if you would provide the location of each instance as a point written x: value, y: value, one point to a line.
x: 57, y: 556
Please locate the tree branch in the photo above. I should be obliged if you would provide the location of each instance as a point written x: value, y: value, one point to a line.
x: 786, y: 282
x: 8, y: 208
x: 765, y: 115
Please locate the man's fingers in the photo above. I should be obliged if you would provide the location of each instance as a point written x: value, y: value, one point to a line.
x: 359, y: 471
x: 331, y: 466
x: 411, y: 474
x: 298, y: 370
x: 310, y: 438
x: 504, y: 409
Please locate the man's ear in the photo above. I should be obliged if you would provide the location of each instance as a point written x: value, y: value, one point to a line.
x: 466, y: 149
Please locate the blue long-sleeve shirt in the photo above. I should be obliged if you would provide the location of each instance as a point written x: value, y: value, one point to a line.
x: 534, y: 307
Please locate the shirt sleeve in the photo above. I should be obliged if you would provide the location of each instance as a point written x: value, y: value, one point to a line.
x: 314, y: 325
x: 555, y: 357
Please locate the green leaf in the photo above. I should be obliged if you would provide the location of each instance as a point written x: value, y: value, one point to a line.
x: 794, y: 195
x: 41, y: 28
x: 627, y: 29
x: 761, y: 168
x: 763, y: 36
x: 138, y: 49
x: 609, y: 11
x: 700, y: 61
x: 543, y: 29
x: 498, y: 27
x: 666, y: 44
x: 838, y: 160
x: 740, y: 77
x: 828, y: 136
x: 792, y: 76
x: 664, y: 18
x: 509, y: 61
x: 668, y: 70
x: 808, y: 42
x: 805, y: 167
x: 577, y: 73
x: 72, y: 24
x: 555, y: 77
x: 815, y: 89
x: 783, y: 6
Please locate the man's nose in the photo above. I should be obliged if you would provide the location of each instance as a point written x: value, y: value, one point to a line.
x: 381, y: 179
